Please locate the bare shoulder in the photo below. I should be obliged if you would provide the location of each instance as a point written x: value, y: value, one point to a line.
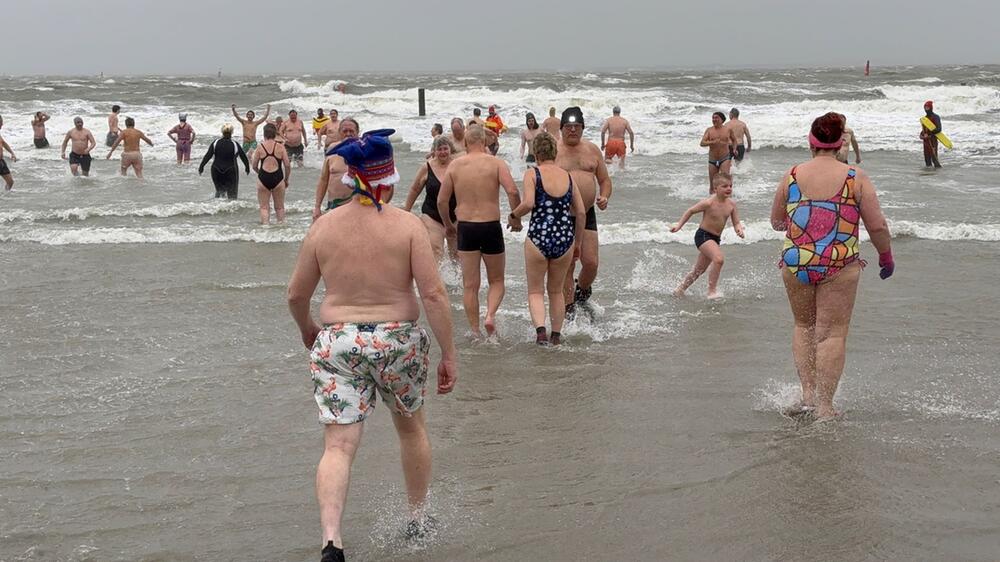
x: 409, y: 221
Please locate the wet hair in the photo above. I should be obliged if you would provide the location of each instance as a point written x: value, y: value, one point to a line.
x: 293, y: 111
x: 332, y: 111
x: 227, y: 130
x: 722, y: 178
x: 250, y: 112
x: 721, y: 115
x: 544, y: 147
x: 475, y: 134
x: 616, y: 110
x: 78, y: 118
x: 349, y: 120
x: 552, y: 112
x: 270, y: 131
x: 129, y: 122
x: 319, y: 111
x: 477, y: 112
x: 437, y: 128
x: 442, y: 140
x: 828, y: 128
x: 116, y: 108
x: 530, y: 117
x: 734, y: 112
x: 843, y: 118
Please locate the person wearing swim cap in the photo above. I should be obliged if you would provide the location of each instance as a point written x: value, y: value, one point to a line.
x: 820, y: 205
x: 183, y: 136
x: 615, y: 128
x: 250, y: 125
x: 225, y: 169
x: 83, y: 143
x: 531, y: 130
x: 330, y: 188
x: 367, y: 342
x: 929, y: 136
x: 475, y: 179
x: 585, y: 163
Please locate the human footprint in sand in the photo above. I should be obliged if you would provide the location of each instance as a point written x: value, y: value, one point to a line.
x: 716, y: 210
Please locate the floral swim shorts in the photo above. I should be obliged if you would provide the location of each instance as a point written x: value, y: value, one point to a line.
x: 350, y: 362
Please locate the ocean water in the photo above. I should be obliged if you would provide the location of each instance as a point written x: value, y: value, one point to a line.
x: 155, y: 401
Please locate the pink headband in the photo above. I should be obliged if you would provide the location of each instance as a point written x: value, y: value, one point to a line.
x: 816, y: 143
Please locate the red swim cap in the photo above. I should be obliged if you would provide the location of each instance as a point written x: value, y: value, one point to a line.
x: 928, y: 103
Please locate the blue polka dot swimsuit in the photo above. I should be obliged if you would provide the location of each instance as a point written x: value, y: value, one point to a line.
x: 551, y: 229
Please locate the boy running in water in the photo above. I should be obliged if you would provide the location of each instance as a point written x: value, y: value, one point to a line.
x: 716, y: 210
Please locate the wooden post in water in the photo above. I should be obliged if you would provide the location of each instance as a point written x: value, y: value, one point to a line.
x: 420, y: 102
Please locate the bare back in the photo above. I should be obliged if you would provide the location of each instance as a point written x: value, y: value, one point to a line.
x: 476, y: 179
x: 130, y: 139
x: 551, y: 126
x: 739, y: 129
x: 364, y: 285
x: 617, y: 126
x: 113, y: 124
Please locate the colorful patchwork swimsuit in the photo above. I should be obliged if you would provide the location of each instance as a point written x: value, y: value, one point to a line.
x: 822, y: 235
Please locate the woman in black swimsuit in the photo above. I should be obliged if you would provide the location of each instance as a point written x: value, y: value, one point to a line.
x: 427, y: 178
x: 270, y: 161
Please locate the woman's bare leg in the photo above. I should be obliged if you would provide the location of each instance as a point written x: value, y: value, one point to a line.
x: 802, y: 298
x: 834, y: 307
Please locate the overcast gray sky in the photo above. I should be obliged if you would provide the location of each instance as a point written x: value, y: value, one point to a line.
x: 312, y: 36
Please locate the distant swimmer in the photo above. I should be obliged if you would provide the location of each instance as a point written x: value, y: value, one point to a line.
x: 715, y: 211
x: 113, y: 129
x: 331, y: 187
x: 849, y: 140
x: 615, y: 128
x: 83, y: 143
x: 551, y: 124
x: 477, y: 117
x: 528, y: 135
x: 740, y: 129
x: 476, y: 179
x: 183, y: 136
x: 250, y: 125
x: 428, y: 180
x: 274, y: 171
x: 296, y: 140
x: 330, y: 133
x: 929, y: 136
x: 555, y: 235
x: 718, y: 139
x: 317, y: 124
x: 4, y: 170
x: 38, y: 129
x: 367, y: 342
x: 457, y: 135
x: 131, y: 154
x: 820, y: 205
x: 585, y: 162
x: 225, y: 168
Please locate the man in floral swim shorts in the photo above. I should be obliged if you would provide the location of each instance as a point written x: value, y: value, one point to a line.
x: 370, y: 343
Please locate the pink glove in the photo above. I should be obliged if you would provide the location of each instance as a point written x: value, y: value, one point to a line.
x: 887, y: 264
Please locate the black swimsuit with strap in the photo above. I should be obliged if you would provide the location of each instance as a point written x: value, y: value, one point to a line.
x: 432, y: 185
x: 273, y: 179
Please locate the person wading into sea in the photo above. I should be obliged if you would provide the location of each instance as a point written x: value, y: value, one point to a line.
x: 585, y: 163
x: 250, y: 127
x: 83, y: 143
x: 929, y: 136
x: 475, y: 179
x: 225, y: 169
x: 615, y: 128
x: 4, y: 170
x: 38, y: 130
x: 718, y: 139
x: 369, y: 344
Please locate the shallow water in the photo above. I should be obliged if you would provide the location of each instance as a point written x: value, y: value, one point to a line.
x: 156, y: 401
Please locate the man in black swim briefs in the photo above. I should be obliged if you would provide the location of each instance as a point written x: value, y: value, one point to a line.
x: 718, y: 139
x: 585, y: 163
x: 83, y: 143
x: 476, y: 179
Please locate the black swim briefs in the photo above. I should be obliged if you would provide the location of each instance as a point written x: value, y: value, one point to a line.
x: 701, y: 236
x: 294, y: 152
x: 82, y: 160
x: 485, y: 237
x: 4, y: 170
x: 42, y: 143
x: 739, y: 152
x: 591, y: 223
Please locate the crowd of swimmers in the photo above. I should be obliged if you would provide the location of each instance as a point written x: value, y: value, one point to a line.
x: 368, y: 343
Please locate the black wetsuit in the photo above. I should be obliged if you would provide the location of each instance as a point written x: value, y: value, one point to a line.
x: 225, y: 169
x: 931, y: 141
x: 430, y: 207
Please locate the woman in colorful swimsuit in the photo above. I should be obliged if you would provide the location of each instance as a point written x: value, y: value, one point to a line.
x: 555, y: 235
x: 428, y: 177
x: 819, y: 204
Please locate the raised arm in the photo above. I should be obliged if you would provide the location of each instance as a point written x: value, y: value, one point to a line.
x: 434, y: 297
x: 301, y: 287
x: 237, y: 115
x: 267, y: 112
x: 415, y: 188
